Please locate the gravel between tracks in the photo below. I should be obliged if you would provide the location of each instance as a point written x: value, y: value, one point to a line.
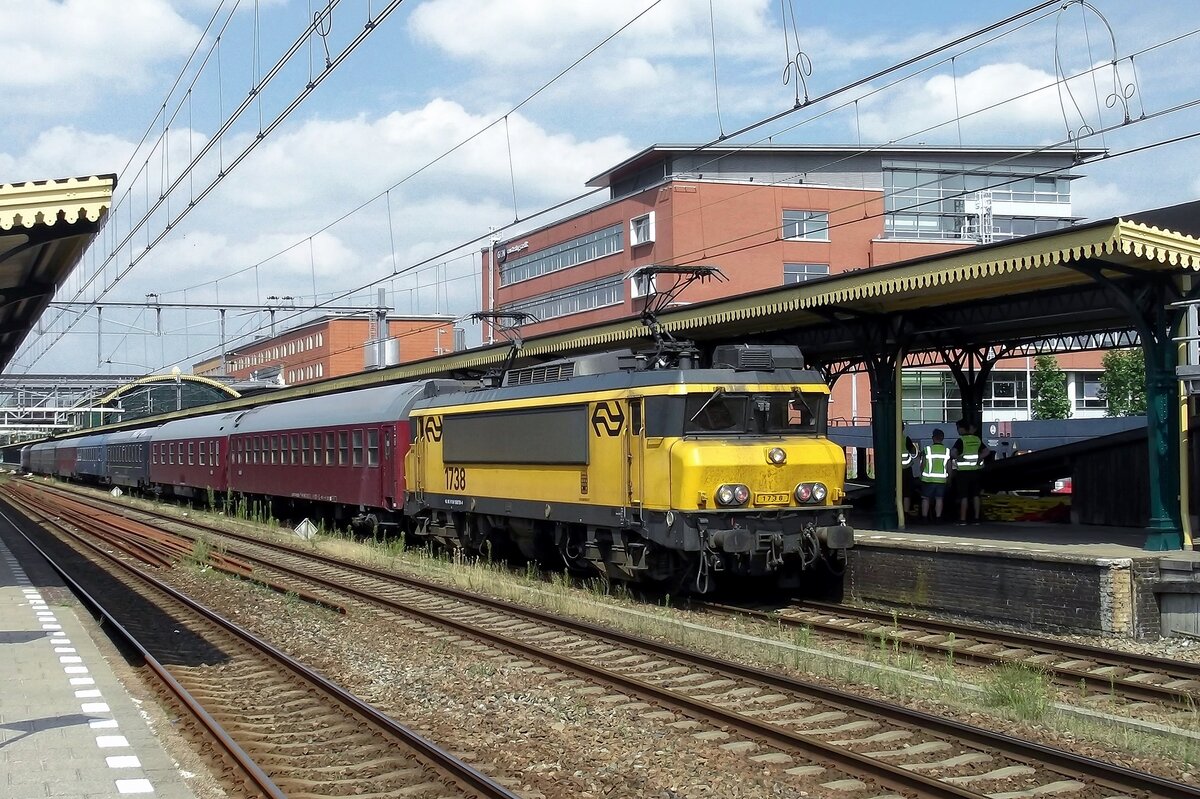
x: 504, y: 718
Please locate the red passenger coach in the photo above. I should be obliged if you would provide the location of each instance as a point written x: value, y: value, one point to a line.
x: 189, y: 457
x: 344, y: 449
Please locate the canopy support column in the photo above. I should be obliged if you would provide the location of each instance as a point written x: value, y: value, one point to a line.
x: 885, y: 341
x: 1148, y: 301
x: 971, y: 369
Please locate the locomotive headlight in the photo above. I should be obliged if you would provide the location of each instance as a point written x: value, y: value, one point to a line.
x: 804, y: 492
x: 734, y: 494
x: 776, y: 456
x: 819, y: 492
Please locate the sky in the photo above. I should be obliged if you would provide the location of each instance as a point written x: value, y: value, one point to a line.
x: 446, y: 122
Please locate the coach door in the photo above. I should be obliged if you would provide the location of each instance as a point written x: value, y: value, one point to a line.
x: 635, y: 455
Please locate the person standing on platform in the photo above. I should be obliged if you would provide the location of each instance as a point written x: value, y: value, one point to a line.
x: 935, y: 471
x: 969, y: 452
x: 909, y: 459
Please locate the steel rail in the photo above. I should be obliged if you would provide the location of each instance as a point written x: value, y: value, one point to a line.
x: 1096, y: 771
x: 966, y: 633
x: 455, y: 768
x: 251, y: 770
x: 1070, y: 764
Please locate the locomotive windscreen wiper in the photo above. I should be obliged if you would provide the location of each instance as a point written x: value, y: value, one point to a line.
x: 718, y: 391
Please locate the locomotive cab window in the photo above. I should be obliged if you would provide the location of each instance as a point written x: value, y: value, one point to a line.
x: 722, y: 413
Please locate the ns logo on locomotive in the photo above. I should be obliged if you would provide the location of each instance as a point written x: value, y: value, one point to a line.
x: 614, y: 464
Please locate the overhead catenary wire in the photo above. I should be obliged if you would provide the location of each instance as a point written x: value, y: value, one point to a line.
x: 401, y: 271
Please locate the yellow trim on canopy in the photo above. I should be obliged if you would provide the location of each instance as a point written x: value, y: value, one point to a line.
x: 42, y: 202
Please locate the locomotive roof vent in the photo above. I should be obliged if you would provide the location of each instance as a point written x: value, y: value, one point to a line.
x: 757, y: 358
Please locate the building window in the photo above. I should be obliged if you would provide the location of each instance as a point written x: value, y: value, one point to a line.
x: 1006, y: 391
x: 930, y: 397
x: 358, y: 448
x: 641, y: 229
x: 1088, y: 394
x: 806, y: 225
x: 372, y: 447
x: 597, y: 244
x: 573, y: 299
x: 800, y: 273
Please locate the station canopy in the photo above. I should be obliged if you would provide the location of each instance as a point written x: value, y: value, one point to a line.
x: 1021, y: 290
x: 45, y: 226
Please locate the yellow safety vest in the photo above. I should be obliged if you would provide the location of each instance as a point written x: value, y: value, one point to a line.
x: 968, y: 459
x: 937, y: 464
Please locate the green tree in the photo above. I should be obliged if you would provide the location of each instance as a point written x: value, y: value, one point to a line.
x: 1050, y: 399
x: 1123, y: 384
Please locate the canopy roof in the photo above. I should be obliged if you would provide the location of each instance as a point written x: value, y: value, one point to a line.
x: 44, y: 228
x: 1025, y: 289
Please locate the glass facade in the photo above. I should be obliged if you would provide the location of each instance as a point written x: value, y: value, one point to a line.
x: 935, y: 200
x: 580, y: 250
x: 573, y: 299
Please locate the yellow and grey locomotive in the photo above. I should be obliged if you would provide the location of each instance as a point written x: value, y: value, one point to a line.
x: 669, y: 476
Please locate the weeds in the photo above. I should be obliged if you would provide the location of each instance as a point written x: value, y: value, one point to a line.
x: 1023, y: 690
x: 201, y: 549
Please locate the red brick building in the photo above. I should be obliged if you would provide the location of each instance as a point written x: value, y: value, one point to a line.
x: 772, y: 215
x: 334, y: 346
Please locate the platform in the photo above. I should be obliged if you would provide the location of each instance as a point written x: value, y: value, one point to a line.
x: 1048, y: 577
x: 67, y: 726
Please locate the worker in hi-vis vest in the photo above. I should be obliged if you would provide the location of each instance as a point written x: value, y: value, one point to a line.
x: 935, y: 472
x: 908, y: 478
x: 968, y: 452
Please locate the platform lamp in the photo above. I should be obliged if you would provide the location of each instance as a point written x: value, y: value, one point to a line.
x: 175, y: 373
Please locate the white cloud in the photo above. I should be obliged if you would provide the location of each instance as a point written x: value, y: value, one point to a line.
x: 528, y: 32
x: 996, y: 102
x: 65, y: 53
x: 65, y: 151
x: 1096, y: 199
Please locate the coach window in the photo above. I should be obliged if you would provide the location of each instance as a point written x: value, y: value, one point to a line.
x: 372, y: 447
x: 358, y: 448
x: 295, y: 449
x: 343, y: 447
x: 215, y: 452
x: 154, y: 453
x: 329, y: 450
x: 275, y: 452
x: 171, y: 454
x: 305, y: 446
x: 316, y: 449
x: 191, y: 453
x: 203, y: 453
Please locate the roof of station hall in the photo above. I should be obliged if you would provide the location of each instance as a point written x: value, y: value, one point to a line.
x: 45, y: 226
x: 1026, y: 288
x: 1004, y: 155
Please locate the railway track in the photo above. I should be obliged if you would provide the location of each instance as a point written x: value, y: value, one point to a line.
x: 858, y: 746
x: 284, y: 730
x: 1105, y: 672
